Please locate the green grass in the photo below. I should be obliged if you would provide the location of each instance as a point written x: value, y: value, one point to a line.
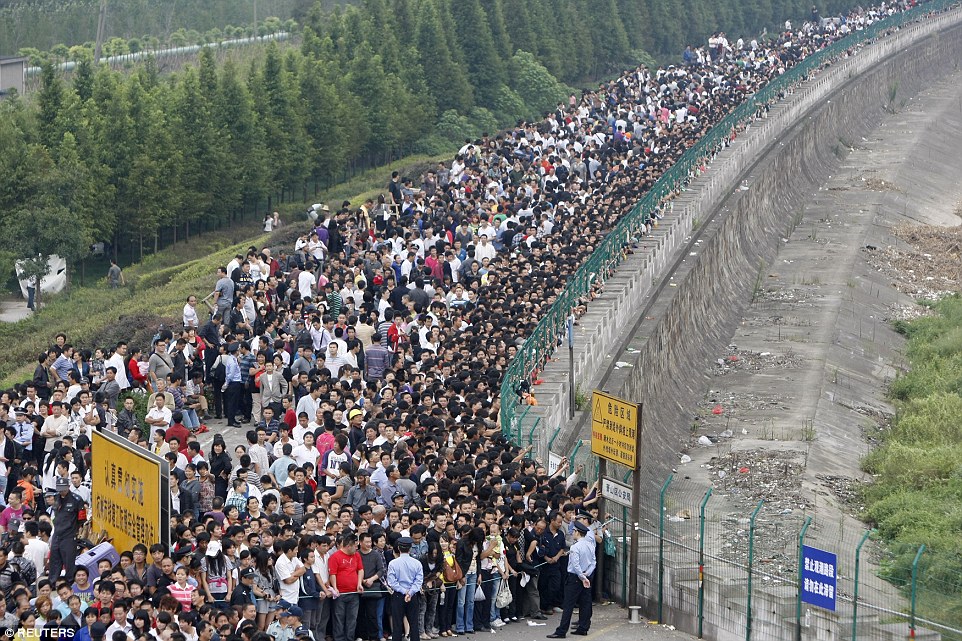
x: 917, y: 494
x: 95, y: 316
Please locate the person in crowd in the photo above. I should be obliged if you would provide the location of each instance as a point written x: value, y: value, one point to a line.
x: 378, y: 493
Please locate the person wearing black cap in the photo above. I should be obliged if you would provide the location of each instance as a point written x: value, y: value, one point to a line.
x: 244, y: 592
x: 63, y: 544
x: 405, y: 576
x: 577, y: 587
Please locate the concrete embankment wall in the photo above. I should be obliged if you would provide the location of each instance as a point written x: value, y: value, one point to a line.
x: 694, y: 320
x: 678, y: 300
x: 670, y: 312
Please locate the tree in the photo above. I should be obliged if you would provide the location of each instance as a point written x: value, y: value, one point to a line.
x: 50, y: 101
x: 494, y: 9
x: 201, y: 154
x: 46, y: 223
x: 83, y: 80
x: 324, y: 121
x: 446, y: 80
x: 235, y: 114
x: 485, y: 68
x: 607, y: 34
x: 371, y: 85
x: 285, y: 138
x: 208, y: 74
x: 540, y: 90
x: 112, y: 141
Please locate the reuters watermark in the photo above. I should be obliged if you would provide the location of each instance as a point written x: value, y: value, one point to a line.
x: 33, y: 633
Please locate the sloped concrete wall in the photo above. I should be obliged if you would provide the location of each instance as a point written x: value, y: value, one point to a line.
x: 677, y: 308
x: 692, y: 321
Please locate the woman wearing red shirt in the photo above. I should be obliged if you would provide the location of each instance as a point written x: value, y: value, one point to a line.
x: 137, y: 379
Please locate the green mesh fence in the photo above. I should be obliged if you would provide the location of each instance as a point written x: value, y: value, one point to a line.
x: 719, y: 548
x: 709, y: 568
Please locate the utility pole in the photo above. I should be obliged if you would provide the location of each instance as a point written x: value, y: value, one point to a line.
x: 101, y: 23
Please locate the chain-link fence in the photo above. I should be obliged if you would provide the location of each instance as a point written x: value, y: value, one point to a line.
x: 721, y: 561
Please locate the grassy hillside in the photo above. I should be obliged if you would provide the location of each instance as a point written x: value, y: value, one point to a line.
x: 157, y: 287
x: 917, y: 495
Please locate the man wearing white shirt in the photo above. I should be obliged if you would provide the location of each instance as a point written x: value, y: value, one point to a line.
x: 190, y: 313
x: 77, y: 486
x: 485, y: 249
x: 302, y: 427
x: 159, y: 415
x: 35, y: 548
x: 309, y: 402
x: 487, y: 229
x: 116, y: 361
x: 409, y: 264
x: 289, y: 570
x: 334, y: 361
x: 55, y: 424
x: 306, y: 281
x: 306, y: 452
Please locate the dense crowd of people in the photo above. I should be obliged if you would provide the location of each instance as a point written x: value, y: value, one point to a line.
x: 376, y: 495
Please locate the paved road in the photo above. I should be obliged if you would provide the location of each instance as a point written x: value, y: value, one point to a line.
x: 608, y: 622
x: 13, y: 310
x: 233, y: 436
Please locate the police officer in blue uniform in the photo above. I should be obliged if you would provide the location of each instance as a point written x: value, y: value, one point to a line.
x: 577, y: 587
x: 405, y: 576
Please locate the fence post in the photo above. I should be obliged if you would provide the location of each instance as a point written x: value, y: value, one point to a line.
x: 553, y: 437
x: 574, y: 457
x: 915, y: 576
x: 625, y: 550
x: 701, y: 562
x: 751, y: 559
x: 531, y: 433
x: 661, y: 546
x: 798, y: 597
x: 858, y: 560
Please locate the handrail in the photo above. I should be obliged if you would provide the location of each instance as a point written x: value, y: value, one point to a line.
x: 600, y: 265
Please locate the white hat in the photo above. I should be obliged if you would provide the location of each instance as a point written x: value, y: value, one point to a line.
x: 213, y: 548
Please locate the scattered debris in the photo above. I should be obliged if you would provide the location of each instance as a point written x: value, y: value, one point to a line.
x: 926, y: 266
x: 742, y: 360
x: 770, y: 476
x: 846, y: 489
x: 877, y: 184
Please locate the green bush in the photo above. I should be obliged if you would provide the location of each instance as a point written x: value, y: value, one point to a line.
x: 539, y: 90
x: 917, y: 495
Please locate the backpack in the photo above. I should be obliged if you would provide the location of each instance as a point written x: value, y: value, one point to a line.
x: 218, y: 373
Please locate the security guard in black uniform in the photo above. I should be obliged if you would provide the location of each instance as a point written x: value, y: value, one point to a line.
x: 63, y: 544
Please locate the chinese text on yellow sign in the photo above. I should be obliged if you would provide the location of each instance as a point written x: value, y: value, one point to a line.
x: 127, y: 490
x: 614, y: 429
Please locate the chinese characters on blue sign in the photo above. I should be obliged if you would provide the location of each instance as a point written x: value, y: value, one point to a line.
x: 819, y: 577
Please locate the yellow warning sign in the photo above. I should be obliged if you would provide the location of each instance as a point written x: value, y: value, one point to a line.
x: 614, y: 429
x: 130, y: 498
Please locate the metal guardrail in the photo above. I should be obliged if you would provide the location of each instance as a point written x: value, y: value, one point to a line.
x: 600, y: 266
